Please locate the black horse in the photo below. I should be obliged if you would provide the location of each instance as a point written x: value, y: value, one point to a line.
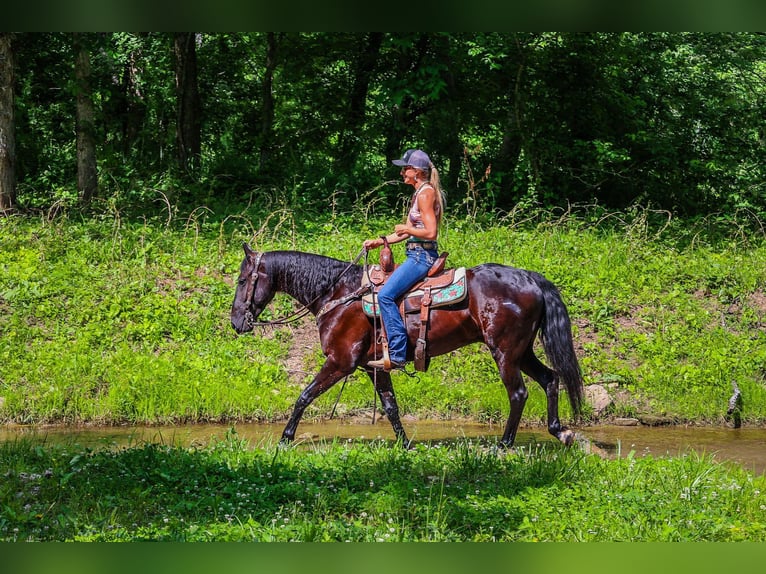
x: 505, y: 309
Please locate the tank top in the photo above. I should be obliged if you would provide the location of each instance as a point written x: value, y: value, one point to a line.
x: 415, y: 217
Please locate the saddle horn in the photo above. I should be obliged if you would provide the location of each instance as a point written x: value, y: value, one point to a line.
x: 386, y: 258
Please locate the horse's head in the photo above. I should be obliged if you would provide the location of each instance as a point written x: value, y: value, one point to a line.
x: 254, y: 292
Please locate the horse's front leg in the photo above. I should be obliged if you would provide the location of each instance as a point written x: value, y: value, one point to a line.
x: 385, y: 389
x: 327, y: 376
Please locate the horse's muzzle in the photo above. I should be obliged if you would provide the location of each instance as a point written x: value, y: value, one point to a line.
x: 245, y: 324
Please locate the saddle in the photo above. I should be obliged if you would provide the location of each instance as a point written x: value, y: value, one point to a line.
x: 440, y: 287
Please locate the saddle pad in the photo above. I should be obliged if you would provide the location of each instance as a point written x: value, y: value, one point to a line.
x: 447, y: 295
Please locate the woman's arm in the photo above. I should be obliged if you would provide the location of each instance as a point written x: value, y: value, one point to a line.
x: 378, y: 242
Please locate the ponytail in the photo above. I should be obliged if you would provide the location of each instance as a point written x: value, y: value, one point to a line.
x: 436, y: 184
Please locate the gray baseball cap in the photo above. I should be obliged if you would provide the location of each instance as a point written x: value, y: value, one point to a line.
x: 414, y: 157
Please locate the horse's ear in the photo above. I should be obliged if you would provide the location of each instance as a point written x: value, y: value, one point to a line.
x: 249, y: 252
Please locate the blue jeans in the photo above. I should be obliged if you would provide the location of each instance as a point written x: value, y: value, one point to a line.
x: 414, y: 268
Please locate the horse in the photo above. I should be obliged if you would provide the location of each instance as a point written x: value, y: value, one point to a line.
x: 505, y: 309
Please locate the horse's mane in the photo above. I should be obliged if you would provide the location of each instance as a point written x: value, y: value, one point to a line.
x: 306, y: 276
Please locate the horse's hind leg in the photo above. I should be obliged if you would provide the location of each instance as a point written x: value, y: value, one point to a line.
x: 548, y: 380
x: 382, y: 382
x: 517, y: 396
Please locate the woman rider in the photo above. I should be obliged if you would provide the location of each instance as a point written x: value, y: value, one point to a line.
x: 420, y: 230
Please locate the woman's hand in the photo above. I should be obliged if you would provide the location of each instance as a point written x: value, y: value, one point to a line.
x: 372, y: 243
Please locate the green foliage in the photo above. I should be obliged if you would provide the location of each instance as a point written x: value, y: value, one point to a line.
x: 230, y: 490
x: 108, y: 321
x: 534, y: 118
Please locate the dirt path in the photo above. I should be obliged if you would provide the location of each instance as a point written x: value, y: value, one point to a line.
x: 305, y: 343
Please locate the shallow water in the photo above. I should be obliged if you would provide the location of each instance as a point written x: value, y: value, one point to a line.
x: 746, y: 447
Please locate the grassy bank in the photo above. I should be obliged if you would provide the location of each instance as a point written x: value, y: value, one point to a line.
x: 108, y: 321
x: 230, y: 490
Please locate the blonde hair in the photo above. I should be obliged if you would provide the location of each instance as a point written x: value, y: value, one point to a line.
x: 433, y: 179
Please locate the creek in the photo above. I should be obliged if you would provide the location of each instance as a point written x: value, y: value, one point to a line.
x: 743, y: 446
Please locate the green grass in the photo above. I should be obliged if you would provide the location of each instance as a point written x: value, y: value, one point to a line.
x: 111, y: 321
x: 367, y: 491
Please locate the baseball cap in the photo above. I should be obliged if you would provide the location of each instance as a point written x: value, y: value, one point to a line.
x: 414, y: 157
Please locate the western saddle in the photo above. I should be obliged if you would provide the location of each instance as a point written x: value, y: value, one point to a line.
x: 440, y: 287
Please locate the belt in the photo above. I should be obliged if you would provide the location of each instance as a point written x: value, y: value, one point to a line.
x: 423, y: 244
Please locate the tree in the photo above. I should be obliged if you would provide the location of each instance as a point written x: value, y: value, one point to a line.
x: 7, y: 125
x: 87, y: 172
x: 674, y: 120
x: 188, y: 102
x: 350, y: 136
x: 267, y: 100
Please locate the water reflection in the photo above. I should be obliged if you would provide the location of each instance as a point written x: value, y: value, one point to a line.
x: 743, y: 446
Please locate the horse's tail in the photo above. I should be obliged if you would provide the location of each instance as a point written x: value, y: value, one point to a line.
x: 556, y: 336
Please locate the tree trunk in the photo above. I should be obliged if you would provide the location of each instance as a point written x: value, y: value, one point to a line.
x: 7, y: 126
x: 188, y: 102
x: 267, y: 97
x: 508, y: 158
x: 87, y: 173
x: 350, y: 137
x: 451, y: 145
x: 515, y: 138
x: 131, y: 105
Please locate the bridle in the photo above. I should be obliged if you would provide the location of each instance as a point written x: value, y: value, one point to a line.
x: 305, y: 309
x: 250, y: 290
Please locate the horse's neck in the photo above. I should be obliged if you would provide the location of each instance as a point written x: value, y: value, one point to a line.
x: 307, y: 277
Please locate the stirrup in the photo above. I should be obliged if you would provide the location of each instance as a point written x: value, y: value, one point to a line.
x: 386, y: 364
